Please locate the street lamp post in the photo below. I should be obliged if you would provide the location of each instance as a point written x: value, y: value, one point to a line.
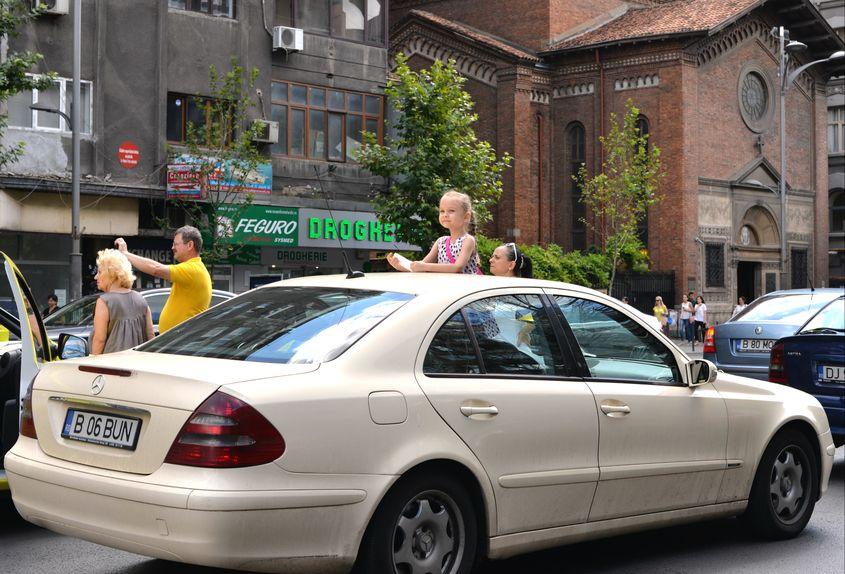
x: 785, y: 48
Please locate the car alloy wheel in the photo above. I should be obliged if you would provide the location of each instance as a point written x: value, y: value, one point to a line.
x: 429, y: 535
x: 788, y: 486
x: 426, y: 524
x: 785, y: 487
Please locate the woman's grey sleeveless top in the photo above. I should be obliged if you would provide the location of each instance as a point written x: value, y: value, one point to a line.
x: 127, y: 320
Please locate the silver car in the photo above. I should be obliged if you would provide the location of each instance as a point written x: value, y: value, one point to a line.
x: 742, y: 344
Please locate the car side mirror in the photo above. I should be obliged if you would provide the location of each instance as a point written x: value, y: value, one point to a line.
x: 702, y: 371
x: 72, y: 347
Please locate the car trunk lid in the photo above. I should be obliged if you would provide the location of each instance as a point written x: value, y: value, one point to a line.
x: 143, y: 398
x: 732, y: 351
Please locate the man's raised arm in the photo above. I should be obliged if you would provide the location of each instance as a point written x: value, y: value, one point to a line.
x: 143, y: 264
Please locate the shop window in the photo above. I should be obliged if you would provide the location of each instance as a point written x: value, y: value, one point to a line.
x: 576, y: 144
x: 356, y: 20
x: 59, y: 96
x: 325, y: 124
x: 220, y: 8
x: 714, y: 262
x: 799, y: 268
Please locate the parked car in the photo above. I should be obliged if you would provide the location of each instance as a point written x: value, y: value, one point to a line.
x: 742, y: 344
x: 77, y: 317
x: 406, y: 422
x: 813, y: 360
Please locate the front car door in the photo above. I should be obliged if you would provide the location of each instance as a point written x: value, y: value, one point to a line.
x: 662, y: 443
x: 494, y: 369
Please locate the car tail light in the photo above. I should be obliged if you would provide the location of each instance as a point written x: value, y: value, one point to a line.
x: 710, y: 340
x: 777, y: 366
x: 225, y: 432
x: 27, y: 420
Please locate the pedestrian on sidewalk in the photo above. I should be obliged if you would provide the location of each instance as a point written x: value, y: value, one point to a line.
x: 122, y: 318
x: 687, y: 318
x: 191, y: 291
x: 661, y: 313
x: 700, y: 318
x: 739, y: 306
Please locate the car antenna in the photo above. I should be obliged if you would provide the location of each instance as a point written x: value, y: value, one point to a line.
x: 350, y: 274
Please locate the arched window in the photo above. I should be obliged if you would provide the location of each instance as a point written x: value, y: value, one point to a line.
x: 576, y: 156
x: 642, y: 227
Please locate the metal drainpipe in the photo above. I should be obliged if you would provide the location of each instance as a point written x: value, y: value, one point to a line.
x: 600, y: 155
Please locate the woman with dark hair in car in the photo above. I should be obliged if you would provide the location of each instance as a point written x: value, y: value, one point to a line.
x: 508, y: 261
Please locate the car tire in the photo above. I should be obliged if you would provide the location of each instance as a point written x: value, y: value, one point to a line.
x: 424, y: 524
x: 785, y: 487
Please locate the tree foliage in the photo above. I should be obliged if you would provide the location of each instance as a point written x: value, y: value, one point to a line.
x: 434, y: 148
x: 14, y: 69
x: 621, y: 193
x: 223, y: 157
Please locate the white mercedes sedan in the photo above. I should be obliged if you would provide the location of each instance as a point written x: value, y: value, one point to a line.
x: 406, y: 423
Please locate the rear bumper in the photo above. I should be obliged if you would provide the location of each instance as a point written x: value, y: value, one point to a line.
x: 300, y: 530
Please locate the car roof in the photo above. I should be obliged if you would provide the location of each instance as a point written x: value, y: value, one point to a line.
x: 832, y: 291
x: 454, y: 285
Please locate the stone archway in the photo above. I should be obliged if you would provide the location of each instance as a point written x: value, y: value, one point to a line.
x: 756, y: 245
x: 758, y: 228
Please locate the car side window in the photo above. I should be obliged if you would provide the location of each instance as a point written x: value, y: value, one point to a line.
x: 515, y: 336
x: 156, y: 303
x: 615, y: 346
x: 452, y: 351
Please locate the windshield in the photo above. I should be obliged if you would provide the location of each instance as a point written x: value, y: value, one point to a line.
x: 830, y: 319
x: 794, y: 309
x: 280, y: 325
x: 76, y: 314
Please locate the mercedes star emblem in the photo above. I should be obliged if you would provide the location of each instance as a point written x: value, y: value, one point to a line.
x: 97, y: 385
x: 758, y: 330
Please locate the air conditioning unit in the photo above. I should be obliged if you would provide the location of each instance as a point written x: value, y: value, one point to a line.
x: 56, y: 7
x: 268, y: 132
x: 288, y: 39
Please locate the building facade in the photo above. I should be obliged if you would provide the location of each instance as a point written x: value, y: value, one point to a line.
x: 834, y: 12
x: 145, y: 67
x: 546, y: 76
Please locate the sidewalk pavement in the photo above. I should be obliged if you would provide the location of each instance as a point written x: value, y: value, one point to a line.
x: 686, y: 348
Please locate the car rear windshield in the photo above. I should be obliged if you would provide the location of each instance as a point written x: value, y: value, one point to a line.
x: 792, y: 308
x: 829, y: 319
x: 281, y: 325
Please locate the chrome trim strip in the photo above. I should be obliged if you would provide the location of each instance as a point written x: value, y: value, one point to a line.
x: 86, y: 403
x: 660, y: 469
x: 549, y: 478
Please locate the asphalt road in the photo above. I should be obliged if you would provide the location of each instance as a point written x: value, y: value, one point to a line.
x: 719, y: 546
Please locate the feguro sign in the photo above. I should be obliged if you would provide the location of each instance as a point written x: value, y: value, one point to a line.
x: 258, y: 224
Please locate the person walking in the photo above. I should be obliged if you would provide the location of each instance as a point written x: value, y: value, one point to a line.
x: 740, y: 305
x: 122, y: 318
x: 52, y: 305
x: 661, y: 313
x: 688, y: 318
x: 700, y: 318
x: 191, y: 291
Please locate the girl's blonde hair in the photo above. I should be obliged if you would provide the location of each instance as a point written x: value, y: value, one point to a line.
x: 116, y: 266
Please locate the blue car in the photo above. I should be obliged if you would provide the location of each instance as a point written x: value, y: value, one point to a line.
x: 813, y: 360
x: 742, y: 344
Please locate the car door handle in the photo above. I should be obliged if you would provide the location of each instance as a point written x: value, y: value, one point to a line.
x: 615, y: 409
x: 469, y: 411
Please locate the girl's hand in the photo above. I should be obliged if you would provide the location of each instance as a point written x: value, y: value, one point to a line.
x: 418, y: 266
x: 391, y: 258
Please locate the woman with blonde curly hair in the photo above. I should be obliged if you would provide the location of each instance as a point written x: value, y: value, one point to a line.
x: 122, y: 318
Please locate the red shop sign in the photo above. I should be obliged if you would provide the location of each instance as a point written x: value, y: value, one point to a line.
x: 128, y: 155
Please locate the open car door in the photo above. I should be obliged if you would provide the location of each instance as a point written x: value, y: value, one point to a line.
x: 18, y: 363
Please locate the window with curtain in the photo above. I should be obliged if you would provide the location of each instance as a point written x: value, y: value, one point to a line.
x: 357, y: 20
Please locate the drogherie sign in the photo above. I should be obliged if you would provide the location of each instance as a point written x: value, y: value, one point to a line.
x: 354, y: 229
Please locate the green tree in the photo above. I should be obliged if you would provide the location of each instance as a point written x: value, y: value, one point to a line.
x: 14, y: 68
x: 221, y: 154
x: 435, y: 148
x: 619, y: 196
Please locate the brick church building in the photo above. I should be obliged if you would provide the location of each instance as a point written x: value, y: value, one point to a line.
x: 546, y: 74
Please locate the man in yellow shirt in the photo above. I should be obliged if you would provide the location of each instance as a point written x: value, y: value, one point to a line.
x: 191, y: 291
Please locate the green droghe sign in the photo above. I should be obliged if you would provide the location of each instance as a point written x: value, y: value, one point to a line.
x: 259, y: 225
